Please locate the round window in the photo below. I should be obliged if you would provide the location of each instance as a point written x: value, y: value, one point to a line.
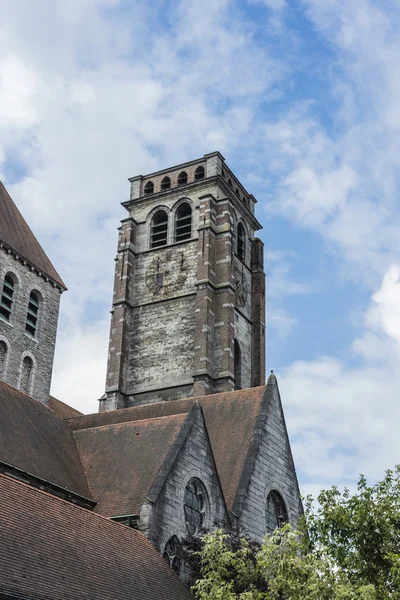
x: 195, y: 506
x: 275, y: 512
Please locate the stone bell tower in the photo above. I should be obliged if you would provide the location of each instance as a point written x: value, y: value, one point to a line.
x: 188, y: 315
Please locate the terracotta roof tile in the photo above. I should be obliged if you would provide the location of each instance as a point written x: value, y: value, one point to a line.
x: 50, y: 548
x: 121, y: 461
x: 17, y: 235
x: 33, y: 439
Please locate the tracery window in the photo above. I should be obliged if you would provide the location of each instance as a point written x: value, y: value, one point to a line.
x: 183, y: 226
x: 3, y: 358
x: 199, y: 173
x: 171, y: 554
x: 149, y: 187
x: 7, y: 297
x: 275, y: 511
x: 241, y: 245
x: 32, y: 315
x: 166, y: 183
x: 194, y: 506
x: 26, y: 374
x: 182, y: 178
x: 159, y: 229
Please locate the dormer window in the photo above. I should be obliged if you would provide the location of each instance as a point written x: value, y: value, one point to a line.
x: 182, y: 178
x: 199, y: 173
x: 241, y: 244
x: 149, y: 187
x: 32, y: 315
x: 7, y: 297
x: 166, y: 183
x: 159, y: 229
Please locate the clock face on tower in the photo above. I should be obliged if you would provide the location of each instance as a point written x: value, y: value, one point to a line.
x: 241, y: 289
x: 167, y: 273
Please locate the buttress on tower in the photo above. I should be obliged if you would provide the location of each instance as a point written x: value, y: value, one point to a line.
x: 188, y: 315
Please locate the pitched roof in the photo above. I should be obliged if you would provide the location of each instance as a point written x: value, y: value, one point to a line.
x: 17, y: 235
x: 122, y: 461
x: 34, y: 440
x: 51, y: 548
x: 230, y: 417
x: 62, y: 410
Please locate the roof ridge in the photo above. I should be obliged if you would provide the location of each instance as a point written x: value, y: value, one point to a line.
x: 129, y: 423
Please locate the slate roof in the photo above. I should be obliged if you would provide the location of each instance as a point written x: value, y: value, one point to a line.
x: 50, y: 548
x: 34, y: 440
x: 122, y: 461
x: 232, y: 419
x: 17, y: 235
x: 62, y: 410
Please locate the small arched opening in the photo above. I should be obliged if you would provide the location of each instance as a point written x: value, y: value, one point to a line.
x: 237, y: 365
x: 166, y: 183
x: 159, y: 229
x: 149, y: 187
x: 183, y: 223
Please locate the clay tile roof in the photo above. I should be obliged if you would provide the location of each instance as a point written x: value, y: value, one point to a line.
x: 50, y: 548
x: 122, y: 461
x: 230, y: 418
x: 17, y: 235
x: 62, y: 410
x: 33, y: 439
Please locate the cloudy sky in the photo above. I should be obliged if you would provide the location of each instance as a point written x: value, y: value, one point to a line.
x: 302, y: 98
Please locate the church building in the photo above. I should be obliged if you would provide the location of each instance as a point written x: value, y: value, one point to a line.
x: 189, y: 436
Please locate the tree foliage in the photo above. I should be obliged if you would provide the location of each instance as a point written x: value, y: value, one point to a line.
x: 347, y: 547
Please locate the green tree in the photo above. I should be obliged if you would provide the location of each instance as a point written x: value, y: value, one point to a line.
x: 346, y: 548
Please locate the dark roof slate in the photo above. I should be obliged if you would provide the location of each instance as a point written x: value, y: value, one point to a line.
x: 33, y: 439
x: 17, y: 235
x: 62, y: 410
x: 50, y: 548
x: 230, y: 418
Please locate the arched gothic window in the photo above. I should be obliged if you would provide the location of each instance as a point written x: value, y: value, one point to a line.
x: 183, y: 224
x: 149, y: 187
x: 182, y: 178
x: 194, y: 504
x: 237, y: 192
x: 241, y: 244
x: 32, y: 315
x: 26, y: 374
x: 7, y: 297
x: 171, y: 554
x: 199, y: 173
x: 237, y: 365
x: 275, y: 511
x: 3, y: 358
x: 230, y: 183
x: 166, y: 183
x: 159, y: 229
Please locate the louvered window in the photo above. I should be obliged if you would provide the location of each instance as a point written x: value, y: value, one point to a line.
x: 183, y: 230
x: 199, y: 173
x: 241, y: 247
x: 159, y: 229
x: 166, y: 183
x: 32, y: 315
x: 7, y: 297
x: 149, y: 187
x: 182, y: 178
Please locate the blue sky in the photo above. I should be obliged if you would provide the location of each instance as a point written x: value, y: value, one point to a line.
x: 302, y: 98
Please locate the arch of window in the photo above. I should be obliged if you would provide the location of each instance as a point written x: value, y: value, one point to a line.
x: 182, y: 178
x: 7, y: 297
x: 166, y: 183
x: 237, y: 192
x: 241, y: 243
x: 3, y: 358
x: 159, y: 229
x: 32, y: 314
x: 199, y: 173
x: 172, y: 554
x: 183, y: 223
x: 149, y: 187
x: 195, y: 506
x: 275, y: 511
x: 230, y: 183
x: 26, y: 375
x: 237, y: 365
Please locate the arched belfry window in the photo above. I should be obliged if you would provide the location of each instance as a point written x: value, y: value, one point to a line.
x: 166, y: 183
x: 149, y: 187
x: 199, y: 173
x: 7, y: 297
x: 195, y: 506
x: 33, y: 314
x: 171, y: 554
x: 3, y: 358
x: 159, y: 229
x: 237, y: 365
x: 26, y: 375
x: 182, y: 178
x: 183, y: 223
x: 241, y: 243
x: 237, y: 192
x: 275, y: 511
